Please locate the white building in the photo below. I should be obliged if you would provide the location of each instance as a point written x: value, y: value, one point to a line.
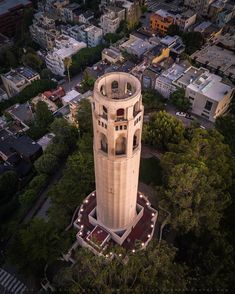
x: 71, y: 95
x: 210, y: 97
x: 65, y: 47
x: 89, y: 34
x: 164, y: 83
x: 110, y: 21
x: 17, y: 79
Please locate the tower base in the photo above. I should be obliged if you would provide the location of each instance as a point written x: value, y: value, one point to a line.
x: 101, y: 240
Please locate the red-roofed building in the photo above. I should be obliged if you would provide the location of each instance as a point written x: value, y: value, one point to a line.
x: 55, y: 95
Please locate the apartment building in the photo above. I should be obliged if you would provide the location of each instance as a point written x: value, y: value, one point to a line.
x: 43, y: 30
x: 161, y: 20
x: 112, y: 55
x: 217, y: 59
x: 89, y: 34
x: 65, y: 47
x: 17, y: 79
x: 110, y: 21
x: 70, y: 12
x: 209, y: 95
x: 200, y: 6
x: 11, y: 15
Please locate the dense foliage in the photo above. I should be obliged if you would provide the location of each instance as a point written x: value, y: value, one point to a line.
x: 178, y: 99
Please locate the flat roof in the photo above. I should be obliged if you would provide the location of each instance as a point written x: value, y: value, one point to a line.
x: 211, y: 86
x: 7, y: 5
x: 112, y: 52
x: 70, y: 96
x: 190, y: 75
x: 27, y: 72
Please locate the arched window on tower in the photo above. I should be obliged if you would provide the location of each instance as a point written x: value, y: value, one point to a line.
x: 136, y: 139
x: 136, y: 108
x: 114, y: 86
x: 120, y: 147
x: 103, y: 143
x: 129, y: 89
x: 120, y: 114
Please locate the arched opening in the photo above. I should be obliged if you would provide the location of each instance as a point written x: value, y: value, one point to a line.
x: 102, y: 90
x: 114, y: 86
x: 136, y: 139
x: 120, y: 114
x: 129, y: 89
x: 120, y: 148
x: 105, y: 112
x: 103, y: 143
x: 136, y: 108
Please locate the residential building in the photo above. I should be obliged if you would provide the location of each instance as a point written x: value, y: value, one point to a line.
x: 20, y: 146
x: 17, y: 79
x: 89, y: 34
x: 164, y: 82
x: 112, y: 55
x: 136, y: 46
x: 43, y: 30
x: 71, y: 95
x: 161, y: 20
x: 3, y: 95
x: 46, y: 140
x: 175, y: 45
x: 51, y: 105
x: 200, y: 6
x: 11, y: 15
x: 226, y: 15
x: 218, y: 60
x: 209, y: 95
x: 70, y: 12
x: 215, y: 8
x: 110, y: 21
x: 86, y: 17
x: 21, y: 113
x: 226, y: 41
x: 65, y: 47
x: 54, y: 95
x: 208, y: 30
x: 157, y: 54
x: 132, y: 12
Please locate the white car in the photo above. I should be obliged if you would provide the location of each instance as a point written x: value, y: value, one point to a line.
x: 202, y: 127
x: 182, y: 114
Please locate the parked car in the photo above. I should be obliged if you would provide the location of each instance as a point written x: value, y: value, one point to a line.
x: 182, y: 114
x: 188, y: 116
x: 202, y: 127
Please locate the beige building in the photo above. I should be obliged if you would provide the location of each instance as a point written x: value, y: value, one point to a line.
x: 209, y: 95
x: 112, y: 55
x: 116, y: 211
x: 17, y: 79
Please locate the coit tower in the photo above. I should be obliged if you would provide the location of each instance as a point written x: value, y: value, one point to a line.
x: 117, y: 113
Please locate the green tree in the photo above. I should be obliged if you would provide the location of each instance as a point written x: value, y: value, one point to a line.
x: 38, y: 182
x: 193, y: 41
x: 34, y: 246
x: 162, y: 130
x: 197, y: 175
x: 179, y: 99
x: 68, y: 63
x: 111, y: 38
x: 28, y: 197
x: 46, y: 74
x: 32, y: 60
x: 146, y: 270
x: 87, y: 82
x: 226, y: 126
x: 8, y: 186
x: 153, y: 100
x: 46, y: 164
x: 11, y: 59
x: 43, y: 116
x: 85, y: 117
x: 174, y: 30
x: 65, y: 134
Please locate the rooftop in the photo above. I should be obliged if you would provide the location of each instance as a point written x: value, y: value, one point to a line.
x: 8, y: 5
x: 216, y: 58
x: 136, y: 46
x: 70, y: 96
x: 26, y: 72
x: 190, y: 75
x: 112, y: 52
x: 211, y: 86
x: 174, y: 72
x: 21, y: 112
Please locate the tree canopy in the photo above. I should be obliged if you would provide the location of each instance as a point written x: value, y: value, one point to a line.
x: 162, y: 130
x: 179, y: 99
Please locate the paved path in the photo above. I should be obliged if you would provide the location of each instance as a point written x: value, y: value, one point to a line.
x: 74, y: 81
x: 10, y: 284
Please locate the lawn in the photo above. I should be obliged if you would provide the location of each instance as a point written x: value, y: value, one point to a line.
x: 150, y: 171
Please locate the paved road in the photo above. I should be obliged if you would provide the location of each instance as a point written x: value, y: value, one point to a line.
x: 74, y: 81
x: 10, y: 284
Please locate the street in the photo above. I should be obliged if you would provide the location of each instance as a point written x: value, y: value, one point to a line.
x: 154, y: 5
x: 74, y: 81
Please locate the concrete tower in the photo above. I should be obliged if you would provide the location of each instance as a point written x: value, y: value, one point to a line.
x: 116, y: 212
x: 117, y: 122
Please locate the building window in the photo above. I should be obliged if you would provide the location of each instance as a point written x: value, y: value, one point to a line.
x: 136, y: 139
x: 116, y: 128
x: 208, y: 105
x: 114, y: 85
x: 120, y: 146
x: 99, y: 122
x: 120, y: 127
x: 103, y: 143
x: 125, y: 127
